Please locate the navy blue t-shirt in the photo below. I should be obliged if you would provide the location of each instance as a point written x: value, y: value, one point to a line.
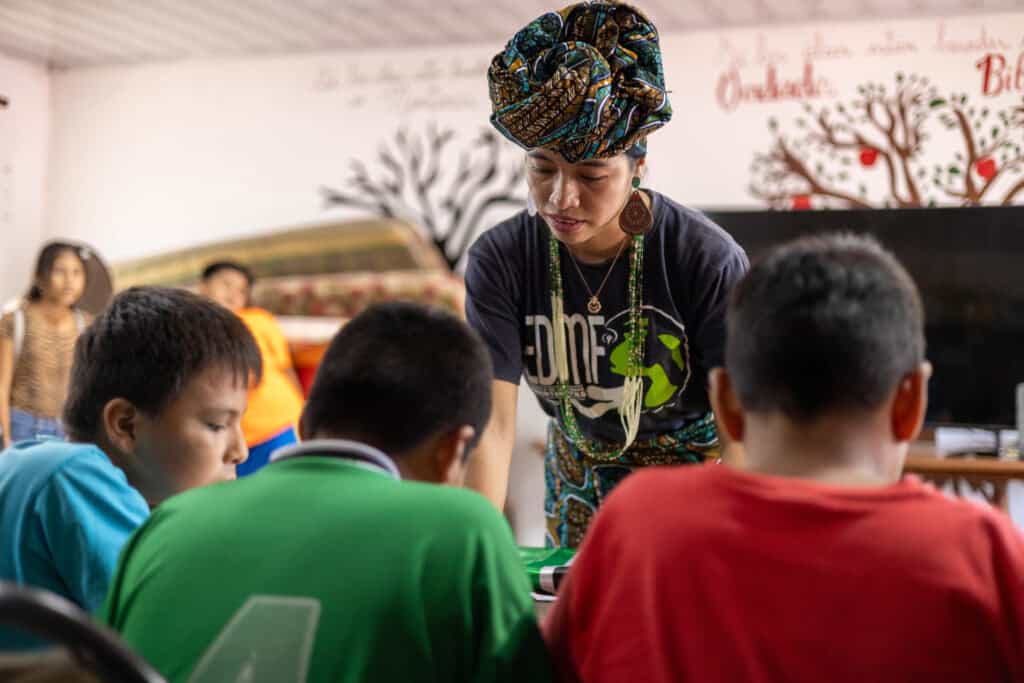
x: 690, y: 264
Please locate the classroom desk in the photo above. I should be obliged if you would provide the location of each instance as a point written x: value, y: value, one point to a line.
x: 986, y: 476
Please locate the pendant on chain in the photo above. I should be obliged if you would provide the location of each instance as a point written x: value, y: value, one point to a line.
x: 594, y: 306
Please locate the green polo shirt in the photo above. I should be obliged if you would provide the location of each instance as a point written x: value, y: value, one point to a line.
x: 323, y: 568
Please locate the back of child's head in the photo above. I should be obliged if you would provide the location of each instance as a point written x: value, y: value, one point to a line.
x: 45, y: 262
x: 398, y: 374
x: 823, y: 325
x: 146, y: 347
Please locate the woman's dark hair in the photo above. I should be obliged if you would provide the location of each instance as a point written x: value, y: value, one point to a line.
x: 44, y: 265
x: 146, y: 347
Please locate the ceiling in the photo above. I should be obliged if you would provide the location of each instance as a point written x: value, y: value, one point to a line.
x: 76, y: 33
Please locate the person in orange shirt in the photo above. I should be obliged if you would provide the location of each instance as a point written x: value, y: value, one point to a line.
x: 276, y: 402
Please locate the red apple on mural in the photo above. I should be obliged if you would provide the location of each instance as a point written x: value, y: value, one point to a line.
x: 868, y: 156
x: 801, y: 202
x: 986, y: 167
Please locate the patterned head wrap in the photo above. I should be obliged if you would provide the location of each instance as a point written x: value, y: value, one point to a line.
x: 586, y: 82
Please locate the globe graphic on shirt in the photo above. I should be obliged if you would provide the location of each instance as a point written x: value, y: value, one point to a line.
x: 666, y: 361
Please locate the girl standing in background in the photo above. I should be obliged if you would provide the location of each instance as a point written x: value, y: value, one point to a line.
x: 36, y: 343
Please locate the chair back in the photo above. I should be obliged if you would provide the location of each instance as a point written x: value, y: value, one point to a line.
x: 94, y: 647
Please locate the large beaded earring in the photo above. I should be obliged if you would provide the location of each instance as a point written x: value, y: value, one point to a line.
x: 636, y: 218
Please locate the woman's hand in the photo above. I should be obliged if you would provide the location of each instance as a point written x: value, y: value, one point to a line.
x: 488, y: 467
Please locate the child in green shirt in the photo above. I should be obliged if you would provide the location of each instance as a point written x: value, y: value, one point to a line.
x: 343, y: 559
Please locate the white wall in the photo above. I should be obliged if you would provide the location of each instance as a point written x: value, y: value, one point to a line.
x: 24, y: 139
x: 151, y: 158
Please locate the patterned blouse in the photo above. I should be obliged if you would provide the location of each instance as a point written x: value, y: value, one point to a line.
x: 42, y: 369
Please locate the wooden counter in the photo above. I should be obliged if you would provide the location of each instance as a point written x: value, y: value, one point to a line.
x: 987, y: 476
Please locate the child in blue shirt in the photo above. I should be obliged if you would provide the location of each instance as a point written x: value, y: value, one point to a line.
x: 158, y: 386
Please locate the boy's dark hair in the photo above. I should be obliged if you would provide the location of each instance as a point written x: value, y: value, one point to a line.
x: 44, y: 265
x: 217, y: 266
x: 397, y: 374
x: 823, y: 325
x: 146, y: 346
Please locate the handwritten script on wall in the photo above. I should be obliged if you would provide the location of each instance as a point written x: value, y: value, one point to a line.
x: 898, y: 119
x: 763, y: 73
x: 403, y: 87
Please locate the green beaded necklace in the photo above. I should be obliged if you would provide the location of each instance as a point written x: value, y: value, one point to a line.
x: 636, y: 332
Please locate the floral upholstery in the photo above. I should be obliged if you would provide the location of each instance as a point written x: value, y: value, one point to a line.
x: 345, y: 295
x: 315, y: 279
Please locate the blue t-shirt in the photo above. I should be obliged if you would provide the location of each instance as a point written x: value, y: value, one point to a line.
x: 690, y: 265
x: 65, y: 513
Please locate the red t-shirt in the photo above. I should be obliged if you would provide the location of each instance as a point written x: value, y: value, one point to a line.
x: 710, y: 574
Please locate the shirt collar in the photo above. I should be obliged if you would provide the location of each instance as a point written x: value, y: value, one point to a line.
x: 359, y: 454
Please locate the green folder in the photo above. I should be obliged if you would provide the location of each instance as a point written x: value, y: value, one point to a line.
x: 546, y: 567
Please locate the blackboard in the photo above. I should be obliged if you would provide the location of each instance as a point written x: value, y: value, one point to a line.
x: 969, y: 266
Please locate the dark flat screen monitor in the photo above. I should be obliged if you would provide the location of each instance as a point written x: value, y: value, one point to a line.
x: 969, y: 266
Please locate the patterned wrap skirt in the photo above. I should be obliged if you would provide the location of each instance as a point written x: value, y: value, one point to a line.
x: 576, y: 484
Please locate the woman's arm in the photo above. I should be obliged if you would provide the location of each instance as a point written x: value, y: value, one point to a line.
x: 489, y: 463
x: 721, y: 265
x: 6, y: 373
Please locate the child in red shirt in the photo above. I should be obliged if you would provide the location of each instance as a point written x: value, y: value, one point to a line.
x: 817, y: 562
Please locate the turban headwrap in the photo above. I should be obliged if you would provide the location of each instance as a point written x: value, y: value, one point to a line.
x: 586, y: 82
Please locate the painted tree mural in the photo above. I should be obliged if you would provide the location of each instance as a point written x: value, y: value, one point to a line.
x: 830, y: 158
x: 451, y: 191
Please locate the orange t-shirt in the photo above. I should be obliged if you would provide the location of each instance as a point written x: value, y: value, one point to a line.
x: 275, y: 403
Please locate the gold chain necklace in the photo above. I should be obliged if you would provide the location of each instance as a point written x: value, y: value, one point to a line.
x: 594, y: 304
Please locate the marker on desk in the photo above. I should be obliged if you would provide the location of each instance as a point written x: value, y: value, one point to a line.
x: 551, y: 577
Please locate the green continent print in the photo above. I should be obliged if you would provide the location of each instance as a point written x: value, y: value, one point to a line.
x: 661, y: 389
